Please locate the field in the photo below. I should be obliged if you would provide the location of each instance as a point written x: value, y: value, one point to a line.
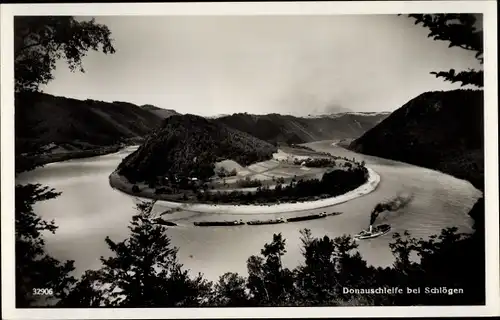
x: 273, y: 181
x: 267, y: 172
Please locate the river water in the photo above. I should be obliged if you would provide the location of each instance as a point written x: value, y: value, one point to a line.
x: 89, y: 210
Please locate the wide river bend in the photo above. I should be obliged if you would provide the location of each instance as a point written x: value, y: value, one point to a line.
x: 89, y: 210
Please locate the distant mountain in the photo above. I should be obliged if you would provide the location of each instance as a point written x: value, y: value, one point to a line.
x: 42, y: 119
x: 162, y: 113
x: 352, y: 113
x: 190, y: 145
x: 333, y: 108
x: 291, y: 129
x: 438, y: 130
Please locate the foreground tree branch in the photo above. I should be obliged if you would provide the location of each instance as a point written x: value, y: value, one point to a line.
x: 460, y: 30
x: 40, y: 42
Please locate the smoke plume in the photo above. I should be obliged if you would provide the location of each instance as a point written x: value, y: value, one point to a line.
x: 400, y: 201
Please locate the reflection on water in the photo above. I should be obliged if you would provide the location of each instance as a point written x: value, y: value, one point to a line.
x: 89, y: 210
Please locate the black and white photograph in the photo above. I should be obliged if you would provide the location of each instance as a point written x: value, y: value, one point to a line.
x: 230, y: 160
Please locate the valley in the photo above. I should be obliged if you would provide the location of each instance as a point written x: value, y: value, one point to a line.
x: 89, y: 210
x: 63, y: 128
x: 231, y: 160
x: 261, y: 160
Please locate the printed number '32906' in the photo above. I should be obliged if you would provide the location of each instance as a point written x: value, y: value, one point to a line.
x: 43, y: 291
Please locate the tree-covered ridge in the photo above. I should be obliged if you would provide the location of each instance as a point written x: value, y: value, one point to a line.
x: 189, y: 146
x: 277, y: 128
x: 42, y: 119
x: 440, y: 130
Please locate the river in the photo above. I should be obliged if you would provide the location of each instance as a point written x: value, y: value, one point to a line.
x: 89, y: 210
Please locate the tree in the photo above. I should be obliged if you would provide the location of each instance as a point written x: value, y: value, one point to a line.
x: 34, y: 267
x: 329, y: 266
x: 460, y: 30
x: 269, y: 282
x: 40, y: 41
x: 86, y: 293
x: 144, y: 271
x: 230, y: 291
x: 453, y: 260
x: 317, y: 278
x: 402, y: 248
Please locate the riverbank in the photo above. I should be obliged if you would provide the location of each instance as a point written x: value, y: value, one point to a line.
x: 120, y: 183
x: 88, y: 210
x: 47, y: 158
x: 58, y: 152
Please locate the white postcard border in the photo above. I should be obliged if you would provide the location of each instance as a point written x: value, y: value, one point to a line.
x: 488, y: 8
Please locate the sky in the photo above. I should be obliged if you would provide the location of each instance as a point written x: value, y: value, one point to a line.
x: 300, y: 65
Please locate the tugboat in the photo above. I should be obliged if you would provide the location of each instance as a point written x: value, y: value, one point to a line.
x: 377, y: 231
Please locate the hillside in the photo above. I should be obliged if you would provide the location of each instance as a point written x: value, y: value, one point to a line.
x: 290, y: 129
x: 162, y: 113
x: 438, y: 130
x: 43, y: 120
x: 189, y: 146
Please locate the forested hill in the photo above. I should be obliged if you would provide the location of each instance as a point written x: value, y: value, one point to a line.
x: 290, y: 129
x: 189, y: 145
x: 438, y: 130
x: 42, y: 119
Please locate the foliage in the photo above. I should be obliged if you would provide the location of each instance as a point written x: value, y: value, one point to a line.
x: 303, y: 147
x: 449, y: 260
x: 316, y: 163
x: 223, y: 172
x: 86, y: 292
x: 143, y: 271
x: 230, y: 291
x: 472, y: 77
x: 248, y: 183
x: 331, y: 265
x: 34, y: 267
x: 460, y: 30
x: 40, y: 41
x: 333, y: 183
x: 270, y: 283
x: 25, y: 163
x: 328, y: 161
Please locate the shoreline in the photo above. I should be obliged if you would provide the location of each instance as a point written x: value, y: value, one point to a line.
x: 117, y: 182
x: 48, y: 158
x: 81, y: 154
